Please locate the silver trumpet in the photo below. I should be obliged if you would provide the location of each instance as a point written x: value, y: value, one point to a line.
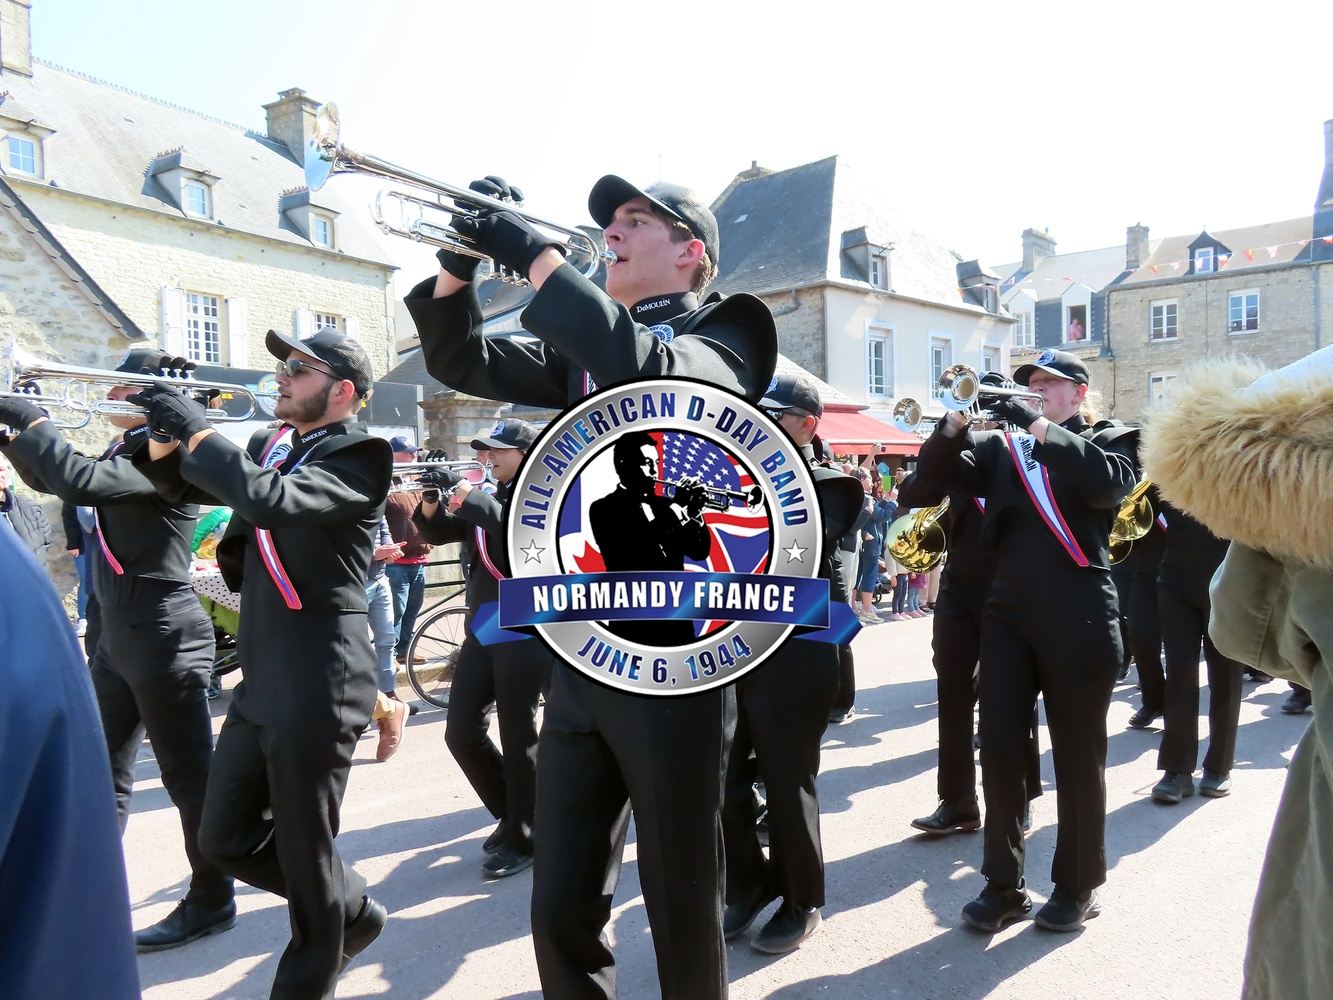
x: 962, y: 389
x: 720, y: 499
x: 65, y: 390
x: 425, y: 211
x: 407, y: 475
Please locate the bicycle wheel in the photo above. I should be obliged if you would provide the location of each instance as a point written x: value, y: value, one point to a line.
x: 433, y: 653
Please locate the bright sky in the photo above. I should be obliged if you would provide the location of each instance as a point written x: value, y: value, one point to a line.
x: 976, y: 120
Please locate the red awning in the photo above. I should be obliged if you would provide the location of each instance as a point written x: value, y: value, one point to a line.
x: 849, y: 430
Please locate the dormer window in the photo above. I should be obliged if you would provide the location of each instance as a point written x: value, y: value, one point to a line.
x: 879, y: 270
x: 24, y: 155
x: 1205, y: 260
x: 197, y: 200
x: 321, y: 230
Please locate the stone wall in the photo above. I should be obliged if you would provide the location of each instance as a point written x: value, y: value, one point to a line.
x: 133, y: 254
x: 800, y: 318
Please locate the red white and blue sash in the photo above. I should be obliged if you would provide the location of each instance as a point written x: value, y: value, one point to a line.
x: 1161, y: 521
x: 111, y: 559
x: 1037, y: 482
x: 275, y: 454
x: 981, y: 503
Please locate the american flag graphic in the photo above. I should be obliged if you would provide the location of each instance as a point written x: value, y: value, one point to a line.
x: 739, y: 536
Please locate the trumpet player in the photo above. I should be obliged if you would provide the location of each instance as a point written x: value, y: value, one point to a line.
x: 151, y: 665
x: 1048, y: 627
x: 603, y: 749
x: 511, y: 675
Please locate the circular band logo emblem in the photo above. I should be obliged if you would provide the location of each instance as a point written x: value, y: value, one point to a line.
x: 664, y: 538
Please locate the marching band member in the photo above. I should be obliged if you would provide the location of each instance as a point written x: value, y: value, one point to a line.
x: 783, y: 710
x: 604, y: 750
x: 154, y: 657
x: 1049, y: 626
x: 1135, y: 578
x: 307, y: 499
x: 510, y: 675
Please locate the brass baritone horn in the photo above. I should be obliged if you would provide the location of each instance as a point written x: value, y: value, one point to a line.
x: 64, y: 390
x: 917, y: 540
x: 409, y: 213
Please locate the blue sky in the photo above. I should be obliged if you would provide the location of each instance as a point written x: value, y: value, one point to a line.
x: 975, y: 120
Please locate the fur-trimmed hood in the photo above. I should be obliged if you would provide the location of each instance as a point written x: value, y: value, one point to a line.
x: 1251, y: 455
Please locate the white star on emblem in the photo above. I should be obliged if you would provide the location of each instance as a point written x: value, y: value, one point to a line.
x: 533, y: 553
x: 795, y: 553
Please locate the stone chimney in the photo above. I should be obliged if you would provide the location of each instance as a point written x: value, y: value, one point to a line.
x: 291, y: 120
x: 1037, y: 245
x: 1136, y: 246
x: 16, y: 37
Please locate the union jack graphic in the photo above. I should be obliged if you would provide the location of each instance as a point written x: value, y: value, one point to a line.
x: 740, y: 537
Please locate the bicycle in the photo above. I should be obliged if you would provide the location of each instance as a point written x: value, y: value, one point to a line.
x: 433, y: 653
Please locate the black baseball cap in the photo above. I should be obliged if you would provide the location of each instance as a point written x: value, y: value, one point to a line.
x: 793, y: 391
x: 611, y: 192
x: 149, y: 361
x: 402, y: 443
x: 346, y: 358
x: 508, y: 433
x: 1061, y: 364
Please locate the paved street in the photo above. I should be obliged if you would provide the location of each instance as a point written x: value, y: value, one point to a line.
x: 1175, y: 908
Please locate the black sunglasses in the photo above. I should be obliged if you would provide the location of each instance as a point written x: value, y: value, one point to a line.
x: 292, y: 367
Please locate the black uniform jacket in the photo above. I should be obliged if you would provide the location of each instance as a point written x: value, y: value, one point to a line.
x: 840, y: 505
x: 1192, y: 554
x: 148, y: 529
x: 324, y: 518
x: 1090, y: 469
x: 478, y: 510
x: 588, y: 340
x: 971, y: 564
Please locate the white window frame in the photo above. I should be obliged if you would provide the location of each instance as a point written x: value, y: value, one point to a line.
x: 315, y: 219
x: 1025, y: 330
x: 328, y: 319
x: 189, y: 186
x: 1158, y: 383
x: 203, y: 327
x: 883, y: 337
x: 1163, y: 305
x: 1243, y: 294
x: 879, y: 270
x: 1205, y: 260
x: 945, y: 360
x: 987, y: 354
x: 35, y: 142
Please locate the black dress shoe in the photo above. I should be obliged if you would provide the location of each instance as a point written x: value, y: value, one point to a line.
x: 787, y: 929
x: 1143, y: 718
x: 186, y: 923
x: 996, y: 906
x: 1215, y: 786
x: 499, y: 836
x: 1123, y: 672
x: 1173, y: 787
x: 740, y: 917
x: 361, y: 932
x: 1297, y: 703
x: 960, y: 816
x: 838, y: 717
x: 1066, y: 911
x: 505, y: 862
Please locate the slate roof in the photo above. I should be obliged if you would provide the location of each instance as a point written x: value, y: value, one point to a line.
x: 785, y: 228
x: 1052, y: 276
x: 107, y: 137
x: 1290, y: 239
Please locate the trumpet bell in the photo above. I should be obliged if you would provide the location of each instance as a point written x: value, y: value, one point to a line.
x: 907, y: 415
x: 321, y: 151
x: 960, y: 386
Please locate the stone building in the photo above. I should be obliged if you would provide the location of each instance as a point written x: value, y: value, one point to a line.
x: 1264, y: 291
x: 861, y: 299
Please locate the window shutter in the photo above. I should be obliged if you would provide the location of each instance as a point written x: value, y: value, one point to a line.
x: 173, y: 321
x: 305, y: 323
x: 238, y: 348
x: 352, y: 328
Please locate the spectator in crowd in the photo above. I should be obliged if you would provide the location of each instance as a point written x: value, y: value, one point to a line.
x: 23, y: 515
x: 406, y: 573
x: 379, y: 613
x: 80, y: 524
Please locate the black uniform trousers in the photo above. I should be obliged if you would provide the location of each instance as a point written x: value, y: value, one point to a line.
x: 150, y: 671
x: 846, y: 697
x: 1142, y: 633
x: 511, y: 676
x: 782, y: 710
x: 1184, y: 625
x: 296, y: 766
x: 956, y: 644
x: 1059, y: 639
x: 603, y: 751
